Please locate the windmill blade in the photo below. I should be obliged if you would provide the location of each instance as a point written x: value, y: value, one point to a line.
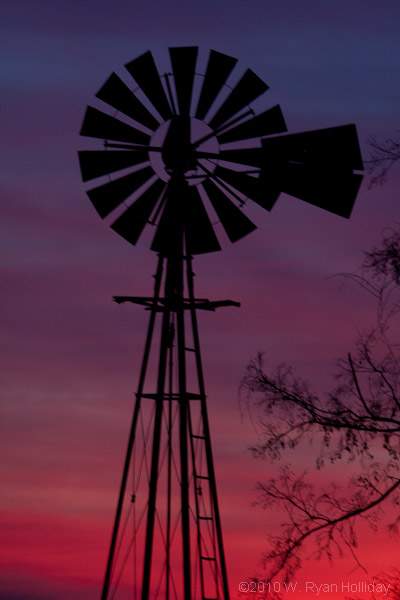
x: 246, y: 90
x: 184, y: 208
x: 183, y: 62
x: 143, y: 69
x: 110, y: 195
x: 95, y: 163
x: 332, y: 190
x: 234, y: 221
x: 200, y: 235
x: 335, y: 145
x: 100, y: 125
x: 168, y: 238
x: 132, y: 222
x: 267, y: 123
x: 115, y: 93
x: 252, y: 188
x: 219, y: 68
x: 253, y: 157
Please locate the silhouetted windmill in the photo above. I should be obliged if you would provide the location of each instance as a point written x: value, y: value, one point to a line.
x: 192, y: 153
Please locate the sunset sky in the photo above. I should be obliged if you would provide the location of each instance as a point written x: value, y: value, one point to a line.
x: 71, y: 357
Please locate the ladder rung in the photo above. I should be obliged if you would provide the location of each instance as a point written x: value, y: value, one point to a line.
x: 190, y: 349
x: 206, y: 518
x: 201, y: 477
x: 208, y: 558
x: 198, y: 437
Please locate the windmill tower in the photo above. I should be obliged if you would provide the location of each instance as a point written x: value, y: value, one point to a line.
x: 189, y: 152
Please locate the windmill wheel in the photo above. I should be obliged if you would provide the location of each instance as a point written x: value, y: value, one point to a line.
x: 199, y: 143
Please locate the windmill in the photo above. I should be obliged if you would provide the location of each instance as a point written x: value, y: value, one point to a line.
x: 183, y: 154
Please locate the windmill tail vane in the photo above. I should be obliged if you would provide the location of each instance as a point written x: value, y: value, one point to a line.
x: 183, y: 155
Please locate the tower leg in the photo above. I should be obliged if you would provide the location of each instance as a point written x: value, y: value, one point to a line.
x: 146, y: 354
x: 183, y: 432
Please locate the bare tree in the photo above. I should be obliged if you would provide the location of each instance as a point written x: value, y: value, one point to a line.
x: 383, y: 155
x: 389, y: 581
x: 358, y: 420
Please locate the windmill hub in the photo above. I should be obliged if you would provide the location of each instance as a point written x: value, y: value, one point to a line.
x: 178, y: 153
x: 181, y: 139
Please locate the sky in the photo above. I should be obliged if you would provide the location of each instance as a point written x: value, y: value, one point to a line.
x: 71, y: 357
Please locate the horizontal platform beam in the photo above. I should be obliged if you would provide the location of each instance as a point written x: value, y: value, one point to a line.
x: 160, y: 304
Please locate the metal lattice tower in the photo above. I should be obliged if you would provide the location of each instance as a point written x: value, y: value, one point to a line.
x: 192, y: 152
